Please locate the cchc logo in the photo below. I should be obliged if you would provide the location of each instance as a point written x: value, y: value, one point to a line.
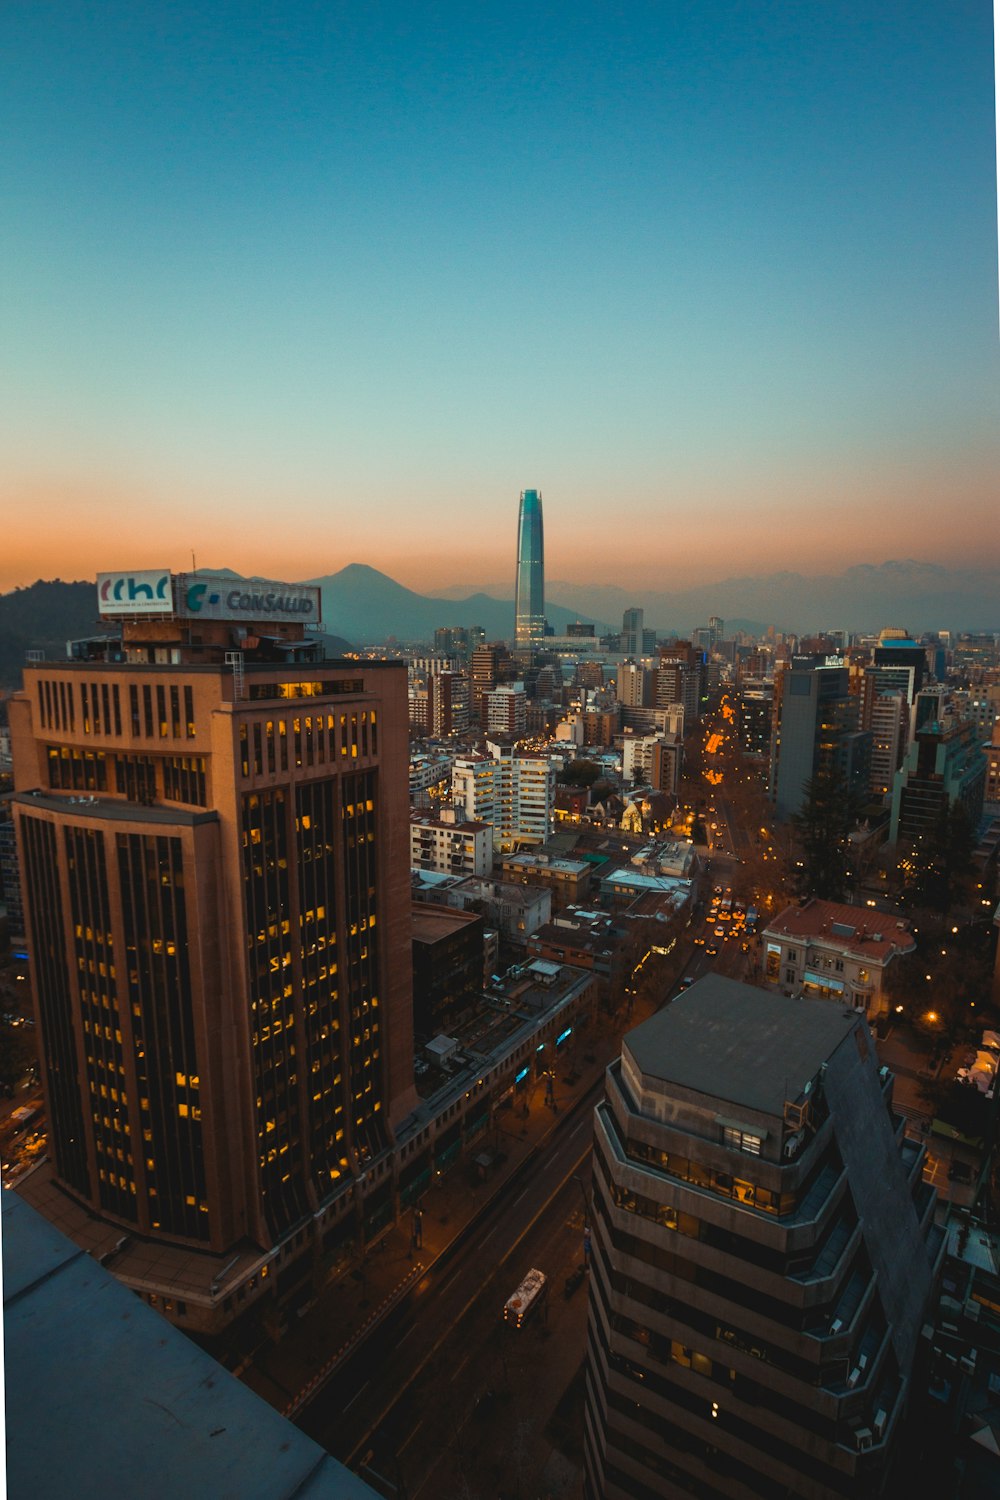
x: 144, y: 589
x: 196, y: 597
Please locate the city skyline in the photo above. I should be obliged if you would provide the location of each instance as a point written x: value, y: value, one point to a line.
x: 335, y: 285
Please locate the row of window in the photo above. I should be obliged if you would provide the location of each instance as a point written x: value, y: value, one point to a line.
x: 155, y: 711
x: 308, y: 739
x: 184, y: 776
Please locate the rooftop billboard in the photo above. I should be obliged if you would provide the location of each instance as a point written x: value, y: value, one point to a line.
x: 141, y: 593
x: 202, y: 596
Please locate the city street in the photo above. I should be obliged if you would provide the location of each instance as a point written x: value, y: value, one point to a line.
x: 462, y: 1362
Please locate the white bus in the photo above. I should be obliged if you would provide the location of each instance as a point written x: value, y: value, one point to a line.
x: 529, y: 1295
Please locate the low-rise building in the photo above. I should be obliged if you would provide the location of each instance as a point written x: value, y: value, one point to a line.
x: 587, y: 940
x: 567, y: 879
x: 450, y: 842
x: 828, y: 950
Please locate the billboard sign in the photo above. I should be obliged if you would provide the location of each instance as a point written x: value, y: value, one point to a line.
x: 142, y: 593
x: 202, y: 596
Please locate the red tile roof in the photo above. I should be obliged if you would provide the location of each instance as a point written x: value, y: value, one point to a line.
x: 855, y: 929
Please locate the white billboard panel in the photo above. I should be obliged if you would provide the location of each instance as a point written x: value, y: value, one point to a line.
x: 202, y: 596
x: 141, y: 593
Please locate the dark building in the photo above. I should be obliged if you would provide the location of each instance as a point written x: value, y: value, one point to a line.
x: 10, y: 872
x: 447, y: 967
x: 763, y: 1254
x: 215, y: 867
x: 816, y: 719
x: 944, y: 767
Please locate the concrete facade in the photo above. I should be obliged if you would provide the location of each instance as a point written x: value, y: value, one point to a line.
x: 763, y: 1255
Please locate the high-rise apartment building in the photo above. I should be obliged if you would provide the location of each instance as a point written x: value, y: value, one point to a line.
x: 214, y: 829
x: 529, y: 588
x: 447, y: 703
x: 490, y: 666
x: 635, y: 685
x: 513, y: 792
x: 763, y: 1251
x: 505, y: 710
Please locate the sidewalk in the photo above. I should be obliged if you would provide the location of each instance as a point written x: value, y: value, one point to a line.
x: 288, y: 1373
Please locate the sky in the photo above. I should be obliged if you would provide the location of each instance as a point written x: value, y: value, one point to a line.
x: 294, y: 286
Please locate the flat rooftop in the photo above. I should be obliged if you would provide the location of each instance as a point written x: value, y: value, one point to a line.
x: 105, y: 1398
x: 733, y: 1042
x: 429, y: 923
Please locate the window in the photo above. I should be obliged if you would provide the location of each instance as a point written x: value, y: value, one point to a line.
x: 792, y: 955
x: 742, y: 1140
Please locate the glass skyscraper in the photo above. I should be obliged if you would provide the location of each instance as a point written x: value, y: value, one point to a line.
x: 529, y: 590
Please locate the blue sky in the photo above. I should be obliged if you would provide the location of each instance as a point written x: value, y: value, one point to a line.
x: 297, y: 286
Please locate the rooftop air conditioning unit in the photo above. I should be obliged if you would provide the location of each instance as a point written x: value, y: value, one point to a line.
x: 854, y: 1377
x: 862, y: 1438
x: 836, y: 1325
x: 878, y: 1426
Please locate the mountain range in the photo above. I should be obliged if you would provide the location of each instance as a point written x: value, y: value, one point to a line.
x: 365, y: 605
x: 916, y: 595
x: 362, y: 605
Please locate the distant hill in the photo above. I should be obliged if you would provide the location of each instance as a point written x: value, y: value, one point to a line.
x: 367, y: 606
x: 43, y: 617
x: 917, y: 595
x: 46, y: 615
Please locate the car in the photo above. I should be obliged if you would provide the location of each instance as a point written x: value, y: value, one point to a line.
x: 686, y: 981
x: 711, y: 951
x: 700, y: 941
x: 717, y: 890
x: 719, y: 932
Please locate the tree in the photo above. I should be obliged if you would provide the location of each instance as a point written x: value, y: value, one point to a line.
x: 580, y: 772
x: 829, y: 812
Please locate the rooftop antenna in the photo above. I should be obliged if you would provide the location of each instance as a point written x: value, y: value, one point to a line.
x: 194, y: 567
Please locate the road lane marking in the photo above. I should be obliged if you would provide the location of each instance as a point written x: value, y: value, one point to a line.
x: 356, y: 1395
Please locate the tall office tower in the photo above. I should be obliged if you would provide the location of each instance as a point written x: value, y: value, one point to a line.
x: 763, y: 1251
x: 529, y: 588
x: 754, y: 707
x: 896, y: 649
x: 635, y: 685
x: 944, y: 766
x: 718, y: 628
x: 447, y: 703
x: 632, y: 632
x: 215, y: 857
x: 815, y: 729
